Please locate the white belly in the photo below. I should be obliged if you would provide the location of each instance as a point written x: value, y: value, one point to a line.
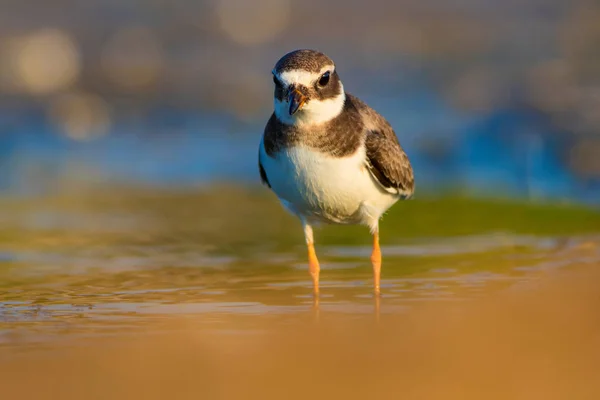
x: 315, y: 186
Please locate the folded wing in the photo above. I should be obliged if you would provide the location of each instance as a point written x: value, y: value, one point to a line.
x: 386, y: 159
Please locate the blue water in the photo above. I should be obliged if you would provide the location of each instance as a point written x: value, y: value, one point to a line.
x: 510, y: 152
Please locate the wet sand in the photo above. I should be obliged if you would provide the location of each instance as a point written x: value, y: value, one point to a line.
x: 540, y: 340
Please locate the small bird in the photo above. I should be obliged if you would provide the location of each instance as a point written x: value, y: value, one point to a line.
x: 329, y: 157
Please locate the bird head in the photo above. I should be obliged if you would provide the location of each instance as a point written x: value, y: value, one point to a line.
x: 308, y: 89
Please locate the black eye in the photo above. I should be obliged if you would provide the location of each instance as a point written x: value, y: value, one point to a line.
x: 324, y: 79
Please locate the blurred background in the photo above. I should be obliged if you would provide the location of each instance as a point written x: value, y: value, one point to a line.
x: 487, y: 97
x: 132, y: 216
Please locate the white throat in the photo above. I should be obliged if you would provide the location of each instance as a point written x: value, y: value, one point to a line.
x: 313, y: 112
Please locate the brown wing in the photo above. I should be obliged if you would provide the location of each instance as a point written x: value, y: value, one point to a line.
x: 386, y: 159
x: 263, y: 175
x: 389, y: 164
x: 270, y: 141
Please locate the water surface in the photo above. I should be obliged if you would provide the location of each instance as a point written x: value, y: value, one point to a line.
x: 112, y: 261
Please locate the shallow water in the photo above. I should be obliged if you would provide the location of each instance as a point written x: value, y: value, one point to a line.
x: 127, y: 293
x: 112, y: 261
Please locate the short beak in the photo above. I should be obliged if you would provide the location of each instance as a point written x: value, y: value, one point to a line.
x: 296, y: 100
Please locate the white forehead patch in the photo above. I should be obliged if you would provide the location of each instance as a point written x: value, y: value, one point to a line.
x: 301, y: 76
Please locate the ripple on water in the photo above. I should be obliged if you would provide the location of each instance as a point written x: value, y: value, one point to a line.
x: 450, y: 246
x: 152, y: 282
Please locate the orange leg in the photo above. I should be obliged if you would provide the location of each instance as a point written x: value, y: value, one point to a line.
x: 313, y: 261
x: 376, y: 262
x: 314, y: 268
